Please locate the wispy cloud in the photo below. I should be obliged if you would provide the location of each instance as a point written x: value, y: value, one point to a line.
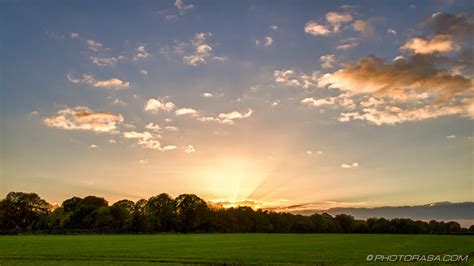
x: 202, y: 51
x: 333, y: 23
x: 88, y: 78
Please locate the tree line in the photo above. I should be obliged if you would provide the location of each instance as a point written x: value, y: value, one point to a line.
x: 29, y: 213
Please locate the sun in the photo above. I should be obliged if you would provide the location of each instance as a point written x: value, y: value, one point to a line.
x: 231, y: 179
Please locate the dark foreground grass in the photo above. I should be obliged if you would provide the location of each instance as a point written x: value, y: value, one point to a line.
x: 222, y: 248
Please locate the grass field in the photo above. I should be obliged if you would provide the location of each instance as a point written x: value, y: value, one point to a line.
x: 222, y: 248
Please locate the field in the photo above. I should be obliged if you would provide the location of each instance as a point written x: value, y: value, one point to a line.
x: 222, y: 248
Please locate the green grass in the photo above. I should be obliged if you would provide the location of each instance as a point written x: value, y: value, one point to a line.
x: 222, y: 248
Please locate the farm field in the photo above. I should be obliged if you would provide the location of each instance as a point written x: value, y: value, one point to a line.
x: 222, y: 248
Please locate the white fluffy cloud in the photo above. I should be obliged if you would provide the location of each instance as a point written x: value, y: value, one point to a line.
x: 185, y: 111
x: 148, y: 140
x: 316, y: 29
x: 155, y: 105
x: 83, y: 118
x: 227, y: 118
x: 114, y: 83
x: 437, y: 44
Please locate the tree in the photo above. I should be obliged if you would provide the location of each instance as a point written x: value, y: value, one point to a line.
x: 22, y: 210
x: 346, y: 222
x: 136, y: 222
x: 193, y: 213
x: 121, y: 212
x: 161, y: 213
x: 81, y: 213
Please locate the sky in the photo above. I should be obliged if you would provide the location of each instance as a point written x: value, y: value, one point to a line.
x: 262, y: 103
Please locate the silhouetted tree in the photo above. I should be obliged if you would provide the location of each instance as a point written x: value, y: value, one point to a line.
x: 27, y: 212
x: 22, y: 211
x: 161, y: 213
x: 193, y: 213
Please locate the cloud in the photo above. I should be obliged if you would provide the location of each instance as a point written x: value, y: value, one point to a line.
x: 207, y: 95
x: 438, y: 44
x: 83, y: 118
x: 316, y: 29
x: 227, y: 118
x: 117, y: 101
x: 113, y: 83
x: 189, y: 149
x: 185, y: 111
x: 309, y: 152
x: 392, y: 31
x: 74, y: 35
x: 318, y: 102
x: 343, y: 100
x: 94, y: 45
x: 336, y: 19
x: 148, y: 140
x: 153, y: 127
x: 141, y: 53
x: 155, y: 105
x: 274, y: 27
x: 451, y: 136
x: 93, y: 146
x: 289, y: 77
x: 72, y: 79
x: 347, y: 44
x: 112, y: 141
x: 268, y: 41
x: 202, y: 51
x: 365, y: 27
x: 409, y: 89
x: 144, y: 72
x: 398, y: 80
x: 171, y: 128
x: 334, y: 22
x: 33, y: 113
x: 347, y: 166
x: 458, y: 25
x: 145, y: 139
x: 327, y: 60
x: 182, y: 7
x: 169, y: 148
x: 106, y: 61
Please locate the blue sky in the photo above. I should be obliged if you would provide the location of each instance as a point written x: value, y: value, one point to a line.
x: 364, y: 103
